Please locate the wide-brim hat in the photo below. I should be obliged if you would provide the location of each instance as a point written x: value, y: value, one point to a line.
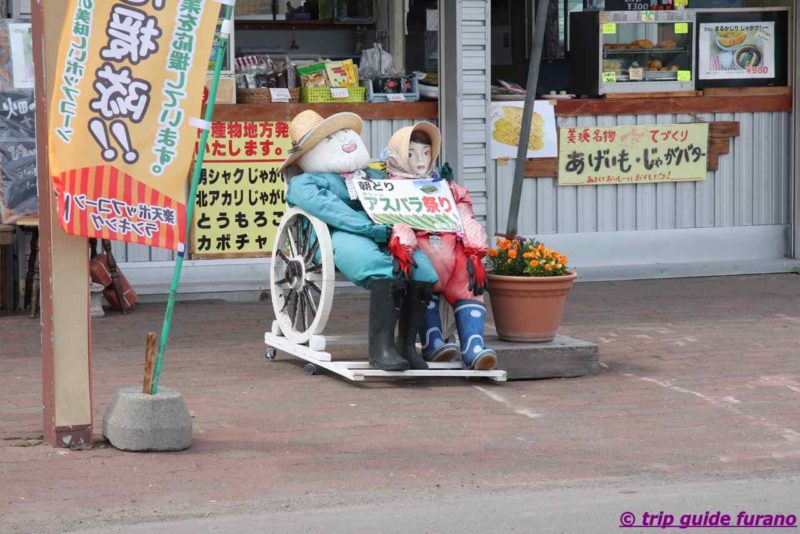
x: 308, y: 128
x: 401, y: 140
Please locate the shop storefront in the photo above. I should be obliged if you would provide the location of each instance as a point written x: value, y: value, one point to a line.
x: 739, y: 218
x: 730, y: 68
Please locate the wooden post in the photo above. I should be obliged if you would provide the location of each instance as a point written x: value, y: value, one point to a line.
x: 149, y: 363
x: 64, y: 266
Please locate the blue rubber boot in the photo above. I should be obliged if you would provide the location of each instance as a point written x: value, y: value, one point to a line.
x: 470, y: 321
x: 434, y: 347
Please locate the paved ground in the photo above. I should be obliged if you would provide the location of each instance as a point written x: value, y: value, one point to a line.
x: 701, y: 386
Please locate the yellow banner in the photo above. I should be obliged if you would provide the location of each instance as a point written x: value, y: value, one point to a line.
x: 130, y: 78
x: 241, y: 197
x: 633, y: 154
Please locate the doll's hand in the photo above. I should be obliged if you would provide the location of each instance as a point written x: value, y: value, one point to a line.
x: 404, y: 263
x: 477, y: 275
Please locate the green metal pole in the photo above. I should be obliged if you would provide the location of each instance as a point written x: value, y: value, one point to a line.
x: 198, y: 167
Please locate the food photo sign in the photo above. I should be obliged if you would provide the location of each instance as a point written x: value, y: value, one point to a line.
x: 736, y: 50
x: 506, y: 125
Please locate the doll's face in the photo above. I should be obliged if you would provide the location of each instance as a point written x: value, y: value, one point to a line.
x: 419, y: 158
x: 343, y: 151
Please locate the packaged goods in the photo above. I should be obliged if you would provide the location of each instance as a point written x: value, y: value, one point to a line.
x: 313, y: 75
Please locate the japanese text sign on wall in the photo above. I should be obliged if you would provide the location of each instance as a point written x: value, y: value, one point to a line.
x: 421, y: 204
x: 130, y: 78
x: 633, y: 154
x: 241, y: 199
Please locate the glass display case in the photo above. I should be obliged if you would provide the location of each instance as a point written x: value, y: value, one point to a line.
x: 633, y: 52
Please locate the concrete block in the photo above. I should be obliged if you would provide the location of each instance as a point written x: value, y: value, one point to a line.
x: 96, y: 301
x: 135, y: 421
x: 564, y: 357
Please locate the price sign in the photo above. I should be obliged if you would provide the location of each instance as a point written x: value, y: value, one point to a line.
x: 636, y: 74
x: 681, y: 3
x: 610, y: 77
x: 648, y: 16
x: 280, y: 95
x: 610, y: 28
x: 684, y: 76
x: 340, y: 92
x: 393, y: 97
x: 681, y: 27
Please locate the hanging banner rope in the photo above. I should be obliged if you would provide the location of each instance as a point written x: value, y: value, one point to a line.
x: 130, y: 77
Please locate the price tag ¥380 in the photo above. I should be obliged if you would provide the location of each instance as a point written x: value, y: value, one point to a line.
x: 340, y: 92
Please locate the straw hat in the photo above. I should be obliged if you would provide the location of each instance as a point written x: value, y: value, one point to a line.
x: 308, y: 128
x: 401, y: 140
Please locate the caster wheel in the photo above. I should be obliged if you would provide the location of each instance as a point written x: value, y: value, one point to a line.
x: 270, y: 353
x: 310, y: 369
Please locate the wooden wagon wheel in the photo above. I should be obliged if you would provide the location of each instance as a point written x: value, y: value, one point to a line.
x: 302, y: 276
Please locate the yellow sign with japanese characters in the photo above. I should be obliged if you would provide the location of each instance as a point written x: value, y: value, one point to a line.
x: 130, y: 79
x: 241, y: 199
x: 633, y: 154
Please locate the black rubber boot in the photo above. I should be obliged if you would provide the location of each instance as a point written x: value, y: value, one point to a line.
x: 384, y: 308
x: 412, y: 314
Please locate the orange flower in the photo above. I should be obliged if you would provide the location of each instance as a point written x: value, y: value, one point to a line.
x: 492, y: 252
x: 512, y: 253
x: 562, y: 259
x: 540, y: 248
x: 548, y: 267
x: 504, y: 244
x: 534, y: 263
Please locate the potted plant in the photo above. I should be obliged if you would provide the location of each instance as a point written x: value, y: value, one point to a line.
x: 528, y: 284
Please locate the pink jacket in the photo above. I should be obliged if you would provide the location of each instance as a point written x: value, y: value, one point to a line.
x: 474, y: 237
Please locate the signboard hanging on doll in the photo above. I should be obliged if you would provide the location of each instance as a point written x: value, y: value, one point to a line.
x: 421, y: 204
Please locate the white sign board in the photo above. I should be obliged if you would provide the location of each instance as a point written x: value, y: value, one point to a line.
x: 421, y: 204
x: 506, y: 125
x: 20, y: 41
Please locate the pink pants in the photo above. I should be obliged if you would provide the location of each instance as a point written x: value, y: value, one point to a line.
x: 446, y: 254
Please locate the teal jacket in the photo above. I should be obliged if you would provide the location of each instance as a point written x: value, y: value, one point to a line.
x: 325, y: 196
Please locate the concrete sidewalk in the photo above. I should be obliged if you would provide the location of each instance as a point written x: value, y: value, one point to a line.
x: 701, y: 382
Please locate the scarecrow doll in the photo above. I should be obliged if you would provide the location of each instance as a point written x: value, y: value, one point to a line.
x: 328, y: 152
x: 456, y: 257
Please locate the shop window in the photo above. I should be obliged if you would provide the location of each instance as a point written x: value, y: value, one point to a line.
x: 556, y: 42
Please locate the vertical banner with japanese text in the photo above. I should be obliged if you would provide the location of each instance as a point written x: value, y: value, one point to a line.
x: 241, y: 197
x: 130, y: 78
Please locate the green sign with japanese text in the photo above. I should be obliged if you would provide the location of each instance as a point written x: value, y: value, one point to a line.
x: 633, y: 154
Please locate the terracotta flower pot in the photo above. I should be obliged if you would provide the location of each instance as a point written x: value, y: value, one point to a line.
x: 528, y: 308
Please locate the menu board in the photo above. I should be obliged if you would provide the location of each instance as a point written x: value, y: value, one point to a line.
x: 736, y: 50
x: 639, y: 154
x: 241, y: 198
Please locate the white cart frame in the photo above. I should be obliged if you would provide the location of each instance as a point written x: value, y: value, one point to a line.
x: 302, y: 279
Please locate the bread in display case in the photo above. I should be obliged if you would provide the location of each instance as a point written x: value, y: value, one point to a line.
x: 633, y: 52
